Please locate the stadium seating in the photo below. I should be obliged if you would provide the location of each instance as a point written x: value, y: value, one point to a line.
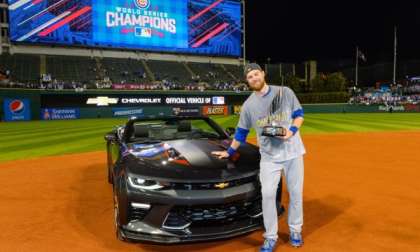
x: 69, y: 70
x: 24, y: 68
x: 169, y: 70
x: 236, y: 70
x: 124, y: 70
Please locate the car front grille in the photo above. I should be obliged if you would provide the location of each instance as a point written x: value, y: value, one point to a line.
x: 213, y: 214
x: 212, y: 186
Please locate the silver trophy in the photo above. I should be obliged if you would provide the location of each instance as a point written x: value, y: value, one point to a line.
x: 273, y: 127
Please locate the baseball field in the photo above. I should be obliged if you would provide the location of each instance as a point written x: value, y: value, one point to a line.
x: 361, y: 186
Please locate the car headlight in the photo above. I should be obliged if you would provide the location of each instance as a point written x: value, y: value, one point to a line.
x: 140, y: 183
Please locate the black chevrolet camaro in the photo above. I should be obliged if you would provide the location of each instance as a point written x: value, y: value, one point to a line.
x: 169, y: 188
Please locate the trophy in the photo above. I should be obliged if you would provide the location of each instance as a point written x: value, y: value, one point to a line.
x: 273, y: 127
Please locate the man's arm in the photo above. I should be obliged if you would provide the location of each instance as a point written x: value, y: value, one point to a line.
x: 296, y: 124
x: 241, y: 133
x: 235, y: 144
x: 240, y: 137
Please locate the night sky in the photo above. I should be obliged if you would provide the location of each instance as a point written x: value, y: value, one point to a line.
x: 294, y: 31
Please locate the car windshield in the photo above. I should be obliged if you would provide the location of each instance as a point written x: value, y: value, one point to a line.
x: 155, y: 131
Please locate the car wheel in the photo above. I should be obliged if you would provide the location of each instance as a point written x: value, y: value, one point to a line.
x: 118, y: 232
x: 109, y: 164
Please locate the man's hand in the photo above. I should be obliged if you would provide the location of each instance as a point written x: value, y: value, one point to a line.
x: 288, y: 135
x: 220, y: 154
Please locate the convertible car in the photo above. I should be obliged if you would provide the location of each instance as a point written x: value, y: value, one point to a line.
x: 169, y: 188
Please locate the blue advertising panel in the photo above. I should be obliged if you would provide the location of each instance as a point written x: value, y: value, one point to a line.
x: 208, y: 27
x: 60, y: 113
x: 127, y: 112
x: 16, y: 109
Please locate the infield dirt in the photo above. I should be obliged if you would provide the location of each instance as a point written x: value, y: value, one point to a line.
x: 362, y: 193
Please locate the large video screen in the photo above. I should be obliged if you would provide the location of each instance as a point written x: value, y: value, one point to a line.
x: 207, y: 27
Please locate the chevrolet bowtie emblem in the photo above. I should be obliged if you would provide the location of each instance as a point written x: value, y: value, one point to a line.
x: 221, y: 185
x: 102, y: 101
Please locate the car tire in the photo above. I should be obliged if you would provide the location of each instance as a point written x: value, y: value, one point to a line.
x: 118, y: 231
x: 118, y: 234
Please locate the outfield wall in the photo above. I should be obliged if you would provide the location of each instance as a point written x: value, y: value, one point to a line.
x: 18, y: 104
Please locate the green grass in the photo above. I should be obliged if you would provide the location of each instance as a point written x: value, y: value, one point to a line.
x: 22, y: 140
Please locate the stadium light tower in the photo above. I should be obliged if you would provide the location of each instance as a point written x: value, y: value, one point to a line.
x: 395, y: 56
x: 360, y: 55
x: 356, y: 78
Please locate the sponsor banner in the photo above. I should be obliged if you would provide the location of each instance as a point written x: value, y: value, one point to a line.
x: 412, y: 107
x: 141, y: 111
x: 391, y: 107
x: 187, y: 100
x: 127, y: 112
x: 215, y: 110
x: 141, y: 100
x: 127, y: 86
x: 155, y: 100
x: 17, y: 109
x: 186, y: 111
x: 60, y: 113
x: 102, y: 101
x: 91, y: 99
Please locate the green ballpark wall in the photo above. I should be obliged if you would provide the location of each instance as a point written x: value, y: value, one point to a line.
x: 32, y: 95
x: 339, y: 108
x: 106, y: 112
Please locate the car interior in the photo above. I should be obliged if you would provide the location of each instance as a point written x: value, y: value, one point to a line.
x: 168, y: 130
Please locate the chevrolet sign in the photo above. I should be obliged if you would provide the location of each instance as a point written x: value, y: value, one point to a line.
x: 102, y: 101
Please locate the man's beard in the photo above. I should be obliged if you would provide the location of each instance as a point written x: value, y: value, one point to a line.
x: 259, y: 87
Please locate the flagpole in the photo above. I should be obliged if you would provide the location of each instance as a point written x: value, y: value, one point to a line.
x: 356, y: 79
x: 395, y: 55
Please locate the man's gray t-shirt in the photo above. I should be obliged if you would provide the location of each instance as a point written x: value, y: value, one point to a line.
x: 255, y: 113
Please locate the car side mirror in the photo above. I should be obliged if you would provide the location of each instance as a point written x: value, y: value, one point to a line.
x: 230, y: 131
x: 110, y: 137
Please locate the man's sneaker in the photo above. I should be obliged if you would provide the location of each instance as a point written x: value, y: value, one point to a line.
x: 268, y: 245
x: 296, y: 239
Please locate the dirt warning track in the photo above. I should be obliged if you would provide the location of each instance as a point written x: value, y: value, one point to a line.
x: 362, y: 193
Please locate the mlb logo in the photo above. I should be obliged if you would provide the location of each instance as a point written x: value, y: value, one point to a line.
x: 143, y: 32
x: 218, y: 100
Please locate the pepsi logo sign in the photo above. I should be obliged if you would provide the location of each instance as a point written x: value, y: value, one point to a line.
x: 17, y: 106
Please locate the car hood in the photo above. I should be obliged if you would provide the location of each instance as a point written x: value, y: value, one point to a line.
x: 190, y: 160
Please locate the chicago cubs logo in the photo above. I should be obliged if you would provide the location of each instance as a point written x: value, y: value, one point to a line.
x: 16, y: 106
x: 142, y: 4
